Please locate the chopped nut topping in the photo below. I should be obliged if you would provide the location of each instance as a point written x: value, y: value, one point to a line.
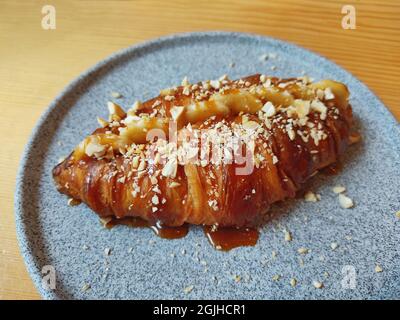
x: 142, y: 165
x: 329, y: 94
x: 170, y: 168
x: 345, y: 202
x: 105, y: 220
x: 169, y: 98
x: 318, y: 285
x: 167, y: 91
x: 338, y: 189
x: 94, y: 148
x: 135, y: 107
x: 103, y: 123
x: 276, y: 277
x: 311, y: 197
x: 185, y: 81
x: 334, y: 245
x: 288, y: 236
x: 318, y: 106
x: 250, y: 125
x: 378, y: 268
x: 186, y: 91
x: 188, y: 289
x: 216, y: 84
x: 293, y: 282
x: 174, y: 184
x: 155, y: 200
x: 85, y: 287
x: 176, y: 112
x: 302, y: 250
x: 116, y: 95
x: 73, y: 202
x: 269, y: 109
x: 116, y: 110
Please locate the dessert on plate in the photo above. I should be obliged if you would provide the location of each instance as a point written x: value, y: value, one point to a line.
x: 215, y: 153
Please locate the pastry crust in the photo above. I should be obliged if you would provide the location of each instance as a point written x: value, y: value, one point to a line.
x: 297, y: 127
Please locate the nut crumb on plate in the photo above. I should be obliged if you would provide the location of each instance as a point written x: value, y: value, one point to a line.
x: 188, y: 289
x: 302, y: 250
x: 378, y: 268
x: 276, y: 277
x: 311, y: 197
x: 345, y: 202
x: 85, y: 287
x: 318, y: 285
x: 338, y: 189
x: 73, y: 202
x: 288, y: 236
x: 116, y: 95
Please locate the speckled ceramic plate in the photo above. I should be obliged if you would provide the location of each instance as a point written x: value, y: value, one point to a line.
x: 142, y: 266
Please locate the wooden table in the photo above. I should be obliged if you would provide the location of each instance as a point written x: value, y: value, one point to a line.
x: 35, y: 64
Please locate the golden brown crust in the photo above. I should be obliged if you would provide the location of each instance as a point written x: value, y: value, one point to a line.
x: 210, y: 194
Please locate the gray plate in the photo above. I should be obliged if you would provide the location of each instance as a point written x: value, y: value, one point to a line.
x: 52, y: 233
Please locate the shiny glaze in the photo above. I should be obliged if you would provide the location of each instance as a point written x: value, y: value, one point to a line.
x: 160, y: 230
x: 226, y: 239
x: 223, y: 239
x: 333, y: 169
x: 93, y: 182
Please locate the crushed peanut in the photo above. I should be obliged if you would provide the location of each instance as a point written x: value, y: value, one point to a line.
x: 338, y: 189
x: 345, y: 202
x: 378, y: 268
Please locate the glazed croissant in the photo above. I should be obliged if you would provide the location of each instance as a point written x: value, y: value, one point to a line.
x: 136, y: 165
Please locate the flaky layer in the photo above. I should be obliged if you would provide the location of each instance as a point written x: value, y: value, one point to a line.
x: 300, y: 129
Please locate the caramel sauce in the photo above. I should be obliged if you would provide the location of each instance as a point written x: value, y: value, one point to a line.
x: 164, y: 232
x: 223, y: 239
x: 226, y: 239
x: 333, y: 169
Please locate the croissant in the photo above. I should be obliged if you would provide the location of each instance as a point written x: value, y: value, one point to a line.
x: 136, y: 165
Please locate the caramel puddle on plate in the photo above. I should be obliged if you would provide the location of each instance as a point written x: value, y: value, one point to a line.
x: 223, y: 239
x: 226, y: 239
x: 160, y: 230
x: 333, y: 169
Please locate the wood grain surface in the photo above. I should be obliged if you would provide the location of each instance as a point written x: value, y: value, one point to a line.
x: 35, y: 64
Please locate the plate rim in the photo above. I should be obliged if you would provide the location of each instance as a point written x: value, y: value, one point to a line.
x: 26, y: 250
